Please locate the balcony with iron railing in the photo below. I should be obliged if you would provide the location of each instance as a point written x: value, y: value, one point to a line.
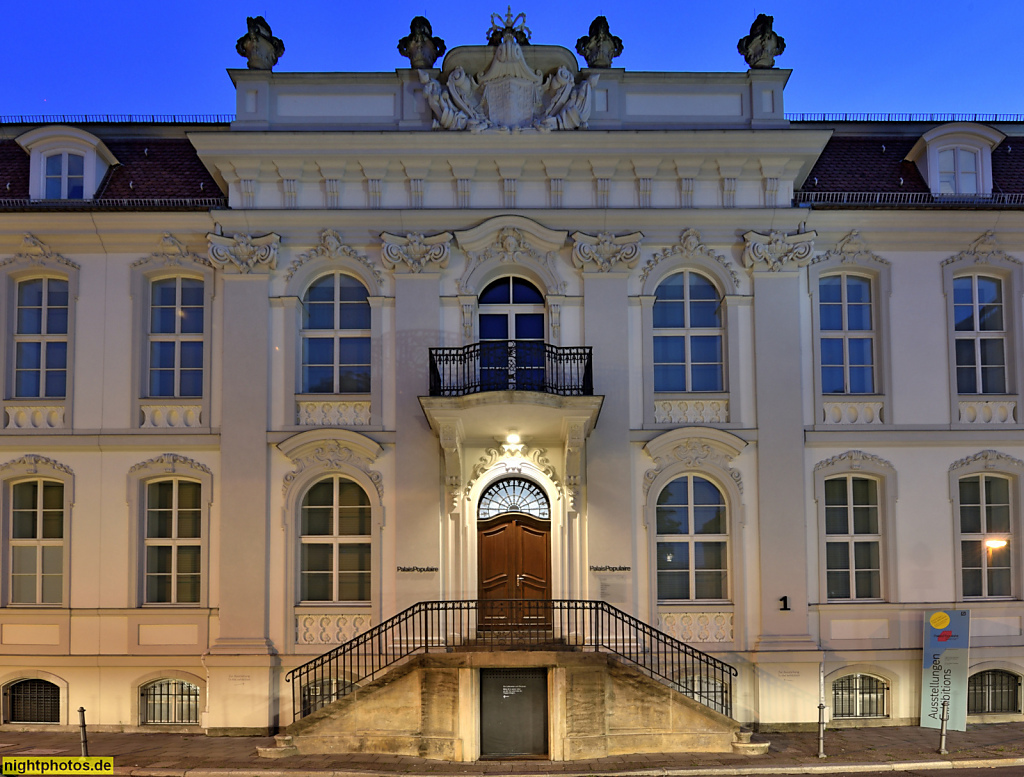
x: 511, y: 365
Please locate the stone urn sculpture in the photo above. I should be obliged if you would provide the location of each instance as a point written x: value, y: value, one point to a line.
x: 762, y: 45
x: 600, y: 46
x: 420, y: 45
x: 259, y: 46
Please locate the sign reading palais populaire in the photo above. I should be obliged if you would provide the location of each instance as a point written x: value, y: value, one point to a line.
x: 947, y: 636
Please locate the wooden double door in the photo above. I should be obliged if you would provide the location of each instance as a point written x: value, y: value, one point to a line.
x: 514, y: 552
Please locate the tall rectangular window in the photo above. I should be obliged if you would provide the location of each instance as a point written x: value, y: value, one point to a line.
x: 985, y: 536
x: 176, y: 337
x: 41, y: 338
x: 335, y: 336
x: 846, y: 322
x: 853, y: 540
x: 979, y: 335
x: 37, y: 542
x: 173, y: 542
x: 689, y: 336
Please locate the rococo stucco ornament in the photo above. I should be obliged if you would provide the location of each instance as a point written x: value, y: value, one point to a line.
x: 852, y: 249
x: 332, y: 455
x: 509, y: 96
x: 243, y: 251
x: 173, y: 253
x: 416, y: 251
x: 854, y: 460
x: 510, y: 245
x: 35, y: 251
x: 694, y: 453
x: 331, y: 247
x: 777, y: 250
x: 989, y: 459
x: 599, y: 47
x: 689, y: 248
x: 170, y: 463
x: 258, y: 45
x: 33, y: 464
x: 762, y: 45
x: 984, y: 250
x: 420, y: 45
x: 606, y: 250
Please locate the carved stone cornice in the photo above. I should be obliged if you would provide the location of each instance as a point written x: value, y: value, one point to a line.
x: 415, y: 251
x: 689, y: 248
x: 777, y: 250
x: 984, y: 250
x: 244, y: 252
x: 852, y: 249
x: 33, y: 464
x: 333, y: 455
x: 170, y: 463
x: 332, y: 248
x: 854, y: 460
x: 606, y: 250
x: 693, y: 453
x: 989, y: 459
x: 173, y: 253
x: 35, y: 251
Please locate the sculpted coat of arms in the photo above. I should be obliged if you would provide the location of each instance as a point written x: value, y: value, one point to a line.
x: 509, y: 95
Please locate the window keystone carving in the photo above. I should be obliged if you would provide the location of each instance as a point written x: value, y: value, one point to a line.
x: 332, y: 455
x: 35, y: 251
x: 688, y: 248
x: 173, y: 253
x: 33, y: 464
x: 244, y: 252
x: 513, y: 457
x: 989, y: 459
x: 852, y: 249
x: 984, y: 250
x: 854, y: 460
x: 606, y: 250
x: 331, y: 247
x: 415, y: 251
x: 777, y: 250
x: 693, y: 454
x: 171, y: 464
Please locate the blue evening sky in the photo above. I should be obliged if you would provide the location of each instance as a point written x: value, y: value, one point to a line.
x: 141, y: 57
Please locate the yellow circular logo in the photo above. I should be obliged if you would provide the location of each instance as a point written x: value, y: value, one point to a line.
x: 939, y: 620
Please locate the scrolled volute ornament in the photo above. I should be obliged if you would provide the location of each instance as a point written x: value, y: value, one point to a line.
x: 776, y: 250
x: 243, y: 251
x: 415, y: 251
x: 259, y: 46
x: 605, y: 251
x: 762, y: 45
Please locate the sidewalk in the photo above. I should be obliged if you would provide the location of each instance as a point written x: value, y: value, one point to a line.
x: 171, y: 755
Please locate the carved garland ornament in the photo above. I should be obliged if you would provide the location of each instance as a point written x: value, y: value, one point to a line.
x: 689, y: 248
x: 32, y: 463
x: 332, y: 455
x: 415, y: 251
x: 990, y: 459
x: 35, y: 251
x: 606, y: 250
x: 511, y: 246
x: 244, y: 251
x: 776, y: 250
x: 984, y: 250
x: 692, y: 454
x: 170, y: 463
x: 330, y: 247
x: 853, y: 460
x: 174, y: 253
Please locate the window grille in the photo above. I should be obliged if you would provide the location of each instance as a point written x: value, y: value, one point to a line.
x: 33, y: 701
x: 860, y: 696
x: 993, y: 691
x: 169, y: 701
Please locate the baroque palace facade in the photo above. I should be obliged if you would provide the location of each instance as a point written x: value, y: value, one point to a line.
x: 505, y: 330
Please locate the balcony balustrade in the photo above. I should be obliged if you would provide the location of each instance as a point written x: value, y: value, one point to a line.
x: 511, y: 365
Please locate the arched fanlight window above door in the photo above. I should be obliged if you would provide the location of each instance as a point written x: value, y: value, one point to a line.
x: 514, y: 495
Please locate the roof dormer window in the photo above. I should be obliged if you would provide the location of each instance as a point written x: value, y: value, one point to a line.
x: 65, y: 176
x: 956, y: 159
x: 66, y: 163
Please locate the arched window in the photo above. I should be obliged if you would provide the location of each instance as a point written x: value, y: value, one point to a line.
x: 511, y: 318
x: 688, y: 335
x: 335, y: 336
x: 173, y: 542
x: 847, y: 324
x: 169, y: 701
x: 41, y: 338
x: 65, y: 176
x: 514, y: 495
x: 993, y: 691
x: 853, y: 538
x: 334, y: 527
x: 32, y: 701
x: 692, y: 541
x: 860, y: 696
x: 986, y: 538
x: 37, y: 542
x: 958, y: 170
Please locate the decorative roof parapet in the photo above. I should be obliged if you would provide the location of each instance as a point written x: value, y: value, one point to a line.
x: 259, y: 46
x: 852, y: 249
x: 990, y: 459
x: 420, y: 45
x: 606, y: 250
x: 599, y: 47
x: 984, y: 250
x: 244, y: 251
x: 762, y: 45
x: 416, y: 251
x: 173, y: 254
x: 776, y: 250
x: 35, y: 251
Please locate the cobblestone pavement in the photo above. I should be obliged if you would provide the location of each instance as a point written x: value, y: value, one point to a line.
x: 168, y: 755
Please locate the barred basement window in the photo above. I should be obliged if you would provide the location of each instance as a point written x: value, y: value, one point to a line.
x: 32, y: 701
x: 993, y: 691
x: 169, y: 701
x: 320, y: 693
x: 860, y: 696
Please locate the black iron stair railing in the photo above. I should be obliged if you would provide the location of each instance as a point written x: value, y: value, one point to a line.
x: 516, y: 365
x: 517, y: 625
